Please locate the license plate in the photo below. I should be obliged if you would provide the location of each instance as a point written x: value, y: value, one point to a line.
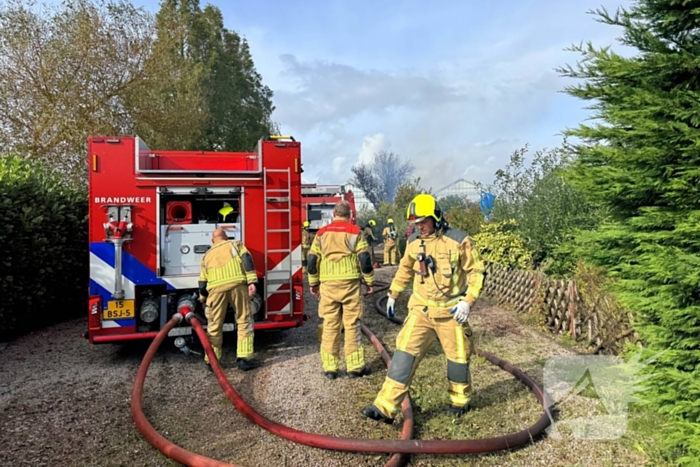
x: 119, y: 309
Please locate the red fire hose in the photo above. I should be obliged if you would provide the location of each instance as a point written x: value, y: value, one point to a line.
x: 398, y: 459
x: 405, y: 446
x: 386, y: 446
x: 195, y: 460
x: 165, y: 446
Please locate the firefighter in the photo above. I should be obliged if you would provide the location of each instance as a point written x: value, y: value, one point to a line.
x: 369, y: 236
x: 389, y: 234
x: 339, y: 256
x: 306, y: 239
x: 447, y: 279
x: 228, y: 277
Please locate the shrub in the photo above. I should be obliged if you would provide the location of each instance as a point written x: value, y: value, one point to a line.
x: 43, y: 247
x: 500, y: 243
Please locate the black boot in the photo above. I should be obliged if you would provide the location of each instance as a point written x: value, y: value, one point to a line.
x: 247, y: 364
x: 456, y: 411
x: 359, y: 374
x: 331, y: 374
x: 373, y: 412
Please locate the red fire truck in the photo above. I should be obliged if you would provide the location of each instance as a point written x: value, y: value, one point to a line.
x: 152, y: 214
x: 317, y: 203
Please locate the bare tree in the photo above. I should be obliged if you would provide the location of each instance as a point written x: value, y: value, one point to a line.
x: 367, y: 181
x: 392, y: 172
x: 381, y: 178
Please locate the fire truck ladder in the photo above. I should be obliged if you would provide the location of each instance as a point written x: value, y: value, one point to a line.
x: 281, y: 274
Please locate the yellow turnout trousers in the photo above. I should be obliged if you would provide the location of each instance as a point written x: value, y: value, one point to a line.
x: 218, y: 300
x: 415, y: 338
x: 341, y: 305
x: 390, y: 255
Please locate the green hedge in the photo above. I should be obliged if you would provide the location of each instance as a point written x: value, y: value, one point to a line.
x: 43, y: 248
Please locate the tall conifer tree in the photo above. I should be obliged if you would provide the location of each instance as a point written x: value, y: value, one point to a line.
x: 203, y: 90
x: 641, y: 159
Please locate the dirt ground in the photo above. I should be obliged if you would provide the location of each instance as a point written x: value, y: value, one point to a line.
x: 64, y: 402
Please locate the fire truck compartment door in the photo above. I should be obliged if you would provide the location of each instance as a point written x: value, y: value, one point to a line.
x: 183, y: 246
x: 320, y: 216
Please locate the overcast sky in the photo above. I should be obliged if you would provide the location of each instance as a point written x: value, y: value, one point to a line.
x: 453, y: 85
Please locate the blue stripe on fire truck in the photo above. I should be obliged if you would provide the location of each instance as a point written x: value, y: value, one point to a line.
x: 134, y: 272
x: 132, y: 269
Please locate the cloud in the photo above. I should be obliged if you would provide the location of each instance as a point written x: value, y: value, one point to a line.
x: 338, y: 166
x: 470, y: 97
x: 475, y: 162
x: 453, y: 86
x: 330, y: 93
x: 348, y: 114
x: 497, y: 94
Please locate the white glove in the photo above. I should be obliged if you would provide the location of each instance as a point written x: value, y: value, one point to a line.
x: 461, y: 312
x: 390, y: 307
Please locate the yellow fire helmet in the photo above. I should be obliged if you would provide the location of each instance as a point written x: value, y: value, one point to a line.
x: 306, y: 224
x: 424, y: 206
x: 390, y: 221
x: 372, y: 222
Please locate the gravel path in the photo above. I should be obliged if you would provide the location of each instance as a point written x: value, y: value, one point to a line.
x: 64, y: 402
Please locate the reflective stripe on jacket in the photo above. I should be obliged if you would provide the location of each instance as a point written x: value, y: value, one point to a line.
x: 459, y: 272
x: 339, y: 252
x: 227, y: 262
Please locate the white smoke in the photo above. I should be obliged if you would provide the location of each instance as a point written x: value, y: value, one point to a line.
x: 370, y: 146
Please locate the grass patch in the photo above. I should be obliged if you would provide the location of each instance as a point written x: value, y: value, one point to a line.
x: 501, y: 404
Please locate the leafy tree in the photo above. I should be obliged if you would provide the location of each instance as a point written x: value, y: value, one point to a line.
x: 364, y: 214
x: 641, y: 161
x: 405, y: 193
x: 64, y: 71
x: 547, y: 208
x: 381, y: 178
x: 240, y: 104
x: 94, y: 67
x: 365, y: 178
x: 552, y: 214
x: 469, y: 219
x: 511, y: 186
